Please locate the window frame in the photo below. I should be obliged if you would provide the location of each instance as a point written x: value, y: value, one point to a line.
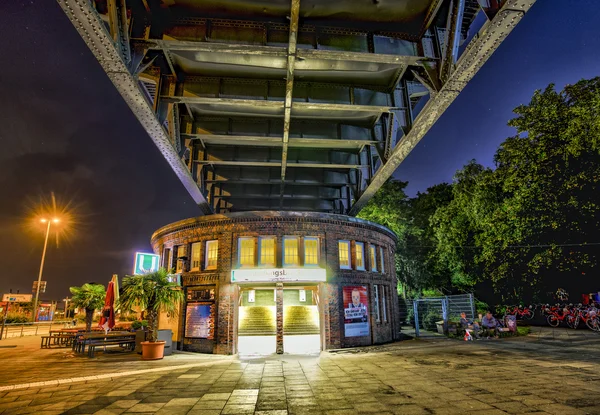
x: 373, y: 257
x: 199, y: 258
x: 362, y: 251
x: 239, y: 253
x: 384, y: 304
x: 283, y: 256
x: 207, y: 265
x: 349, y: 253
x: 382, y: 259
x: 265, y: 238
x: 376, y: 300
x: 178, y: 263
x: 316, y: 239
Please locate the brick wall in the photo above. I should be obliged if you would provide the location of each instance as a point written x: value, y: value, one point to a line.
x: 328, y: 228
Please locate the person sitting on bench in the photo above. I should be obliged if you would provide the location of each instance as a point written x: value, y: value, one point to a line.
x: 489, y: 323
x: 469, y: 325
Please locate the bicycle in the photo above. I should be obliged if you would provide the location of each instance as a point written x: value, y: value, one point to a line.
x: 520, y: 311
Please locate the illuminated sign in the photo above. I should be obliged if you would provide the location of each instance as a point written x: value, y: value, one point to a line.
x: 145, y: 263
x: 278, y: 275
x: 17, y: 298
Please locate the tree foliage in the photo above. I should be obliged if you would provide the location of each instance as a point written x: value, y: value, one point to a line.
x: 89, y: 297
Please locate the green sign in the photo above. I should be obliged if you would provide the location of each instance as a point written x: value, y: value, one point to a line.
x: 145, y: 263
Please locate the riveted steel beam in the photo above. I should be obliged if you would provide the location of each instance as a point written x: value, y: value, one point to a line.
x: 471, y: 61
x: 289, y: 89
x: 276, y: 182
x: 91, y: 28
x: 258, y: 141
x: 278, y: 164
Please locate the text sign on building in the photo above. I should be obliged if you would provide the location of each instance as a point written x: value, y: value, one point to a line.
x: 278, y: 275
x: 17, y: 298
x: 145, y: 263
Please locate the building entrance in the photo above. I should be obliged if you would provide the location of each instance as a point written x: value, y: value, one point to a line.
x: 257, y: 321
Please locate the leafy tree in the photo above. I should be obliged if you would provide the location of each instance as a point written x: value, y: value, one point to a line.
x: 151, y: 292
x: 89, y: 297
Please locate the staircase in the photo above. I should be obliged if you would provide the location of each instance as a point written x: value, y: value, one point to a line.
x: 300, y: 319
x: 257, y: 321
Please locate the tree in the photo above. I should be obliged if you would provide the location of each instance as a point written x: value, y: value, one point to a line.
x: 151, y: 292
x: 89, y: 297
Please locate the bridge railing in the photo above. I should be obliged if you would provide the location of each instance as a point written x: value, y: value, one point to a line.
x: 12, y: 330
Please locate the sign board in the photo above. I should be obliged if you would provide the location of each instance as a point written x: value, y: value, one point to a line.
x: 145, y: 263
x: 42, y: 286
x: 17, y: 298
x: 278, y: 275
x: 356, y: 313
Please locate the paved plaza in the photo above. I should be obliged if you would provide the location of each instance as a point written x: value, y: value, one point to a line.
x: 550, y: 372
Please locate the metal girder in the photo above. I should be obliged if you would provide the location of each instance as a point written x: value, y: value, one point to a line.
x: 453, y: 30
x: 119, y: 28
x: 289, y: 89
x: 275, y: 182
x: 258, y: 141
x: 473, y: 58
x: 91, y: 28
x: 278, y: 197
x: 278, y: 164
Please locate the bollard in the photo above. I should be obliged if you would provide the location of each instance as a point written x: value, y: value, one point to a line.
x: 36, y: 329
x: 22, y: 327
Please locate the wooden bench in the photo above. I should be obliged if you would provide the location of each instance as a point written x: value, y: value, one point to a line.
x: 60, y: 340
x: 127, y: 344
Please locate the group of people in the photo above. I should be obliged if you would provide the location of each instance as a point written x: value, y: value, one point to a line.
x: 488, y: 322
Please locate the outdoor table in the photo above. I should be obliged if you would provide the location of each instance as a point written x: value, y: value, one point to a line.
x: 83, y: 339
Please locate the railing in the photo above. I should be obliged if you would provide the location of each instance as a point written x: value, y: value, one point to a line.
x: 32, y: 329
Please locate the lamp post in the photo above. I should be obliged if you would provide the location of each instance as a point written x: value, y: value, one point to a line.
x: 39, y: 282
x: 66, y: 300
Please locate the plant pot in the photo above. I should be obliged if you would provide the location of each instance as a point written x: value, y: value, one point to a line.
x: 153, y: 350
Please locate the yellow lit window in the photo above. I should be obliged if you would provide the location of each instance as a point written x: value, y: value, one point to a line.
x: 267, y: 251
x: 290, y: 250
x: 360, y: 256
x: 372, y: 257
x: 195, y: 265
x: 212, y: 251
x: 311, y: 251
x: 178, y: 262
x: 246, y: 252
x: 344, y: 254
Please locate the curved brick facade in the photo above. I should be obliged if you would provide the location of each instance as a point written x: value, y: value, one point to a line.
x: 174, y: 243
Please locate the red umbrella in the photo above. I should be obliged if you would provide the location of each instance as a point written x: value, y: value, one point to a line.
x: 108, y: 312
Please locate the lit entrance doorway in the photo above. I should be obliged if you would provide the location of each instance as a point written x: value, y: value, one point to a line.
x: 301, y: 328
x: 257, y: 323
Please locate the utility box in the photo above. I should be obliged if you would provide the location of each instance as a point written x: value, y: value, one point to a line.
x: 167, y: 337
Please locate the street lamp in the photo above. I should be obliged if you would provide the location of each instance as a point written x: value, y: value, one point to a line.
x: 39, y: 282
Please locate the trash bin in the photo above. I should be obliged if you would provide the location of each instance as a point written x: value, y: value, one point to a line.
x: 167, y: 337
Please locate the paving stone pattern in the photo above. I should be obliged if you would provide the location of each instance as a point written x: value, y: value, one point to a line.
x: 411, y: 377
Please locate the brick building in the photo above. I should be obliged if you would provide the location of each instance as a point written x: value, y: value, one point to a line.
x: 260, y: 282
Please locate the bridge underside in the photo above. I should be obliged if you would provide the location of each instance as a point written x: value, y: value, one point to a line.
x: 290, y: 104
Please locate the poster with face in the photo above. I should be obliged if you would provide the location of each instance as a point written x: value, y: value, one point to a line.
x: 356, y: 315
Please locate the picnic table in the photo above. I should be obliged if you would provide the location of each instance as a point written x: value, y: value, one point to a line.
x: 94, y: 340
x: 59, y: 337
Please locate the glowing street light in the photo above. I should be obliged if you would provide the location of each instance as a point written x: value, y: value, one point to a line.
x: 39, y: 282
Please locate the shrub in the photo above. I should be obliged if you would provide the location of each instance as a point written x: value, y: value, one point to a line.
x: 430, y: 319
x: 17, y: 318
x: 136, y: 325
x: 523, y: 330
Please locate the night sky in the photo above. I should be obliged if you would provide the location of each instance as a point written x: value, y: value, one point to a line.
x: 65, y: 129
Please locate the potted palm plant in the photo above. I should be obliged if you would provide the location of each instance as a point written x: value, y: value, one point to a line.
x: 151, y: 292
x: 89, y: 297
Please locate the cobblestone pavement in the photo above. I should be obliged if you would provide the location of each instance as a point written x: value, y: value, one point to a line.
x: 541, y: 374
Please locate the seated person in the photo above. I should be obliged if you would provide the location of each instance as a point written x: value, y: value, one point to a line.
x: 469, y: 325
x: 489, y: 323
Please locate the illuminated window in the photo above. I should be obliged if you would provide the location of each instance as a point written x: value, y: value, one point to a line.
x: 266, y: 251
x: 166, y: 257
x: 178, y: 262
x: 382, y: 260
x: 195, y: 264
x: 376, y: 292
x: 311, y: 251
x: 246, y: 252
x: 290, y: 250
x: 212, y: 251
x: 360, y: 256
x: 373, y: 258
x: 344, y: 254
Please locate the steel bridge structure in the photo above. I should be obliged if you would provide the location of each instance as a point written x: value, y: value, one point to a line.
x: 306, y: 105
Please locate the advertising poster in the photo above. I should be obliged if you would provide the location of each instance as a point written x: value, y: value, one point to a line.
x: 198, y: 321
x: 356, y: 315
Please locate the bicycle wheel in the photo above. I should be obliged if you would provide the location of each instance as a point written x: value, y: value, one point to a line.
x: 571, y: 321
x: 528, y: 314
x: 592, y: 324
x: 553, y: 321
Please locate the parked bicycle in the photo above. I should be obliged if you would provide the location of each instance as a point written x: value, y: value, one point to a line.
x: 520, y: 311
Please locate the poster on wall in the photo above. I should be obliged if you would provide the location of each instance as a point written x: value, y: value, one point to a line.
x: 198, y: 321
x: 356, y: 315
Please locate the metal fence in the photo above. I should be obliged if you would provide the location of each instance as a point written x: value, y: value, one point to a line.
x: 432, y: 314
x: 12, y: 330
